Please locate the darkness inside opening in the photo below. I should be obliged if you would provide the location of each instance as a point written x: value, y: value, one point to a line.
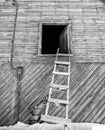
x: 50, y: 38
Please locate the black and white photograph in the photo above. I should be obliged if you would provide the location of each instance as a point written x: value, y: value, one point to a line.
x: 52, y: 64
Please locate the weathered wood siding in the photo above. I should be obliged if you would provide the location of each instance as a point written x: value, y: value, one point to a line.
x: 87, y: 92
x: 8, y: 113
x: 88, y: 19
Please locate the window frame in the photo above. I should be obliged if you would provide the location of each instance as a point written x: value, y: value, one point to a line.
x: 40, y: 34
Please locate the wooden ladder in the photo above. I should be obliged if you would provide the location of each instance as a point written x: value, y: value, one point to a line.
x: 65, y: 103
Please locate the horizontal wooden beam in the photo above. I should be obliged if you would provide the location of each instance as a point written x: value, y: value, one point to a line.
x: 55, y: 120
x: 58, y: 101
x: 61, y: 87
x: 62, y: 54
x: 62, y: 62
x: 61, y: 73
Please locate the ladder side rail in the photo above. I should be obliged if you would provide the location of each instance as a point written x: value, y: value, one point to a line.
x: 67, y: 107
x: 50, y: 92
x: 57, y: 54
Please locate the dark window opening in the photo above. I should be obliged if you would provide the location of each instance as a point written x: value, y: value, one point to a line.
x: 50, y: 38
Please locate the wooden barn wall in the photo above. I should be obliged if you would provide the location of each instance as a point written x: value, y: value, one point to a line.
x: 88, y: 18
x: 8, y: 113
x: 87, y: 79
x: 87, y: 92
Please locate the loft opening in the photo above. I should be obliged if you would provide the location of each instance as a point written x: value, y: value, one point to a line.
x: 51, y: 38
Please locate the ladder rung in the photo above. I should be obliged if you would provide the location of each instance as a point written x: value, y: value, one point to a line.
x: 58, y: 101
x: 62, y: 87
x: 56, y: 120
x: 61, y: 73
x: 62, y: 62
x: 62, y: 54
